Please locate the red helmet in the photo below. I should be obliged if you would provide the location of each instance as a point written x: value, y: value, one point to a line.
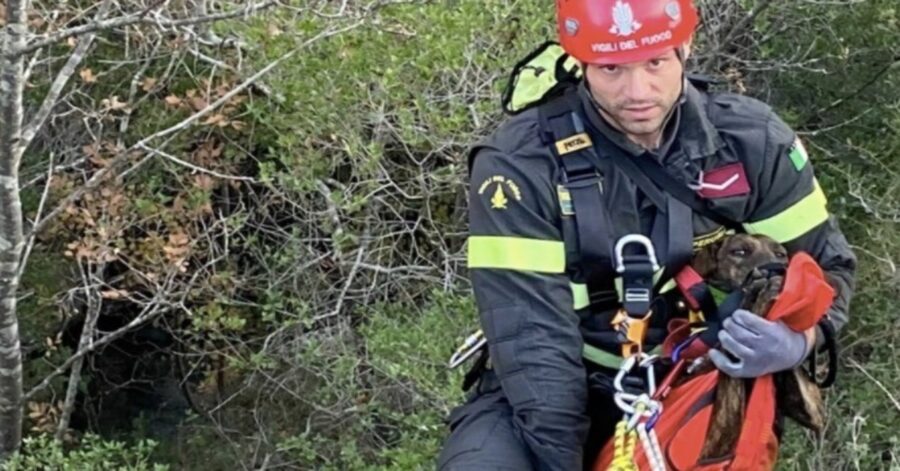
x: 621, y: 31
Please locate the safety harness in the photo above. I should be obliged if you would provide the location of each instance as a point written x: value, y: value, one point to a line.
x: 586, y: 228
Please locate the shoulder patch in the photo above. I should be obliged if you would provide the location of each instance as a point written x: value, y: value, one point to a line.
x: 503, y: 188
x: 798, y: 155
x: 728, y: 180
x: 573, y: 143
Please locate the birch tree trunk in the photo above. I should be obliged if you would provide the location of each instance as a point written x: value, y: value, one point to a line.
x: 11, y: 240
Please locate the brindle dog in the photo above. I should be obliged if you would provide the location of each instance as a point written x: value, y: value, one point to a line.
x: 734, y: 263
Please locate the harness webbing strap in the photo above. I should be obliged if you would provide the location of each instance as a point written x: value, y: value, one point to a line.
x: 680, y: 246
x: 696, y: 292
x: 573, y: 148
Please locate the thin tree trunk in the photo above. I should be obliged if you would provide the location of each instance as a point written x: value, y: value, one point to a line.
x: 11, y: 240
x: 88, y: 332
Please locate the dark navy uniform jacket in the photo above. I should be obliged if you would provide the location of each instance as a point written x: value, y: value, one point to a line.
x: 532, y: 307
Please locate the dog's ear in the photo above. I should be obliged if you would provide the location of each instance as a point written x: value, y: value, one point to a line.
x: 706, y: 260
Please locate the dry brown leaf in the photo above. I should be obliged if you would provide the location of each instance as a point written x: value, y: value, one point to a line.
x: 87, y: 76
x: 91, y: 149
x: 197, y: 103
x: 175, y: 252
x: 274, y: 31
x: 148, y: 84
x: 179, y: 238
x: 173, y: 100
x: 116, y: 104
x: 216, y: 120
x: 113, y: 103
x: 99, y: 161
x: 204, y: 182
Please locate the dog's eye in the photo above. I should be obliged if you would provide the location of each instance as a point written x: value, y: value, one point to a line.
x: 739, y: 252
x: 780, y: 255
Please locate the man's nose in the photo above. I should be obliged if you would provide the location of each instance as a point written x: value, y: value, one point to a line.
x: 637, y: 86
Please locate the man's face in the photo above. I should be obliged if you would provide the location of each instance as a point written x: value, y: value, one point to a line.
x: 638, y: 95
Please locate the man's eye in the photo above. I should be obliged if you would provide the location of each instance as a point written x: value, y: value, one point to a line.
x: 655, y: 63
x: 610, y: 69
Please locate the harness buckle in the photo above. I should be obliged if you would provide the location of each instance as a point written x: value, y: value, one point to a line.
x: 632, y: 319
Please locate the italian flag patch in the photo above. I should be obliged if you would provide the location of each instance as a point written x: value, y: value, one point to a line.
x: 798, y: 155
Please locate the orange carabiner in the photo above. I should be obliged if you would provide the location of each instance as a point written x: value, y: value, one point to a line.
x: 632, y: 331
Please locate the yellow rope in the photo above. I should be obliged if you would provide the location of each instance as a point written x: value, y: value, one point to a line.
x: 623, y: 459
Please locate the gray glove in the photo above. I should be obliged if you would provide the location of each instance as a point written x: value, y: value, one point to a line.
x: 760, y: 346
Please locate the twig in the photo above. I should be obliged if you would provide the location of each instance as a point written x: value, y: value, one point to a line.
x: 834, y: 104
x: 154, y: 310
x: 106, y: 171
x: 359, y: 255
x: 890, y: 396
x: 132, y: 19
x: 59, y: 83
x: 88, y: 330
x: 335, y: 218
x: 196, y: 168
x: 23, y: 260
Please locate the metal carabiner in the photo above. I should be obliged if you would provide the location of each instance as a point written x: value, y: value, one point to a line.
x: 624, y: 369
x: 472, y: 344
x: 634, y: 239
x: 625, y: 401
x: 647, y: 363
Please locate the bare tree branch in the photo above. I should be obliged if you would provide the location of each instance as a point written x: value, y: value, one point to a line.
x: 109, y: 170
x: 62, y: 78
x: 136, y: 18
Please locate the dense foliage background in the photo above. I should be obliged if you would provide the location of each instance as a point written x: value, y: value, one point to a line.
x: 313, y: 227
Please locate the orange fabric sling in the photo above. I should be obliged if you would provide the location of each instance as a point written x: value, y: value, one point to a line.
x: 687, y: 409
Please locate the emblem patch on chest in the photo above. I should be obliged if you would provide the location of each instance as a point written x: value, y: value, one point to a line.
x: 730, y: 180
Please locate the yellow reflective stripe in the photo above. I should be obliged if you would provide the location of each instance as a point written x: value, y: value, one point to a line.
x: 794, y: 221
x: 580, y: 297
x: 609, y: 360
x: 516, y: 253
x: 669, y: 286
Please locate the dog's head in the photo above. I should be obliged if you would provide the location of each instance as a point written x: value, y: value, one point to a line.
x: 727, y: 263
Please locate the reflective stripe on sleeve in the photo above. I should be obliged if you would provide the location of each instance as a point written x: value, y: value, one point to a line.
x: 516, y: 253
x: 607, y: 359
x: 580, y: 297
x: 794, y: 221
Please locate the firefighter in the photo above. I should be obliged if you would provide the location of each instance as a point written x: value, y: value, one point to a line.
x: 543, y: 230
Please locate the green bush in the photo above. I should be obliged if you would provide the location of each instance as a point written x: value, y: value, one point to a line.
x: 92, y: 453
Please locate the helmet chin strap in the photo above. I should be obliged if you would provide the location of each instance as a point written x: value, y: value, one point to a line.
x: 680, y: 54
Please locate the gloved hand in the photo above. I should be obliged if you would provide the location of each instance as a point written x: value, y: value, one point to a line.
x: 760, y: 346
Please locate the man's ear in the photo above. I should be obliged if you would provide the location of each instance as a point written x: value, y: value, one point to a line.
x: 686, y: 47
x: 706, y: 260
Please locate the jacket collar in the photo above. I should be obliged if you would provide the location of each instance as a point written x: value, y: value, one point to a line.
x: 689, y: 125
